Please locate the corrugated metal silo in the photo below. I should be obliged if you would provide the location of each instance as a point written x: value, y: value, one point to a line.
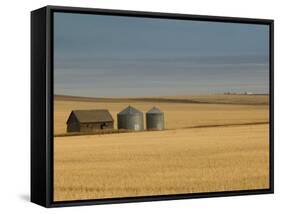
x: 131, y: 119
x: 154, y: 119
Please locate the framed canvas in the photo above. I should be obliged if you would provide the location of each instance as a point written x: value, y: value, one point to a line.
x: 131, y: 106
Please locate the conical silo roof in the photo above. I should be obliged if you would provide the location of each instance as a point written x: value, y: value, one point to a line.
x: 130, y: 110
x: 154, y: 110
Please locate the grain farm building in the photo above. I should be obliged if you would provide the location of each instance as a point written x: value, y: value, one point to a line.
x: 154, y: 119
x: 131, y: 119
x: 89, y: 120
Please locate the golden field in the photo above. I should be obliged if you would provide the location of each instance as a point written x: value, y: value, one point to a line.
x: 181, y: 159
x: 177, y: 114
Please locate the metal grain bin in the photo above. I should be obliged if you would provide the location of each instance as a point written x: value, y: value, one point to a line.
x: 131, y: 119
x: 154, y: 119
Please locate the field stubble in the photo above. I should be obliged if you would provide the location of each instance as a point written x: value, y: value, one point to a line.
x: 174, y: 161
x: 166, y: 162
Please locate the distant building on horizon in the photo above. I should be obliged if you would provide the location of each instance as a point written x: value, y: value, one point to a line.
x: 238, y: 93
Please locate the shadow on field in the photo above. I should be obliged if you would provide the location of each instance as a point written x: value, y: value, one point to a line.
x: 24, y: 197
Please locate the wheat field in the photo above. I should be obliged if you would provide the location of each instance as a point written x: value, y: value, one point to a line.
x: 181, y: 159
x: 177, y: 115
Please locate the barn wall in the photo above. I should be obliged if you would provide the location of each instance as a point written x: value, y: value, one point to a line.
x: 89, y: 127
x: 73, y: 127
x: 108, y: 125
x: 73, y: 124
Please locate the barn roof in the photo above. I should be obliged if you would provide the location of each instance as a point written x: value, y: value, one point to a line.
x: 154, y: 110
x: 130, y: 110
x: 91, y: 116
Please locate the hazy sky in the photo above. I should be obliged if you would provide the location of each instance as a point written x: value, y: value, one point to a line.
x: 97, y: 55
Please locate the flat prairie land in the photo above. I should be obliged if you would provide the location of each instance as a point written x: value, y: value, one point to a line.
x: 180, y: 112
x: 208, y: 146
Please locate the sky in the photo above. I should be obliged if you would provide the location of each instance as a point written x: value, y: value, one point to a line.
x: 118, y: 56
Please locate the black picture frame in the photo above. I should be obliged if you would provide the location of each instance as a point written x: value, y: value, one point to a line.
x: 42, y: 105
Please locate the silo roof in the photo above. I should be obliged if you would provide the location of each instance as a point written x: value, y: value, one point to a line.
x: 154, y: 110
x: 130, y: 110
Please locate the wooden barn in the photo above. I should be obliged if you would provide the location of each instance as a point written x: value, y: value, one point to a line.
x: 89, y: 120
